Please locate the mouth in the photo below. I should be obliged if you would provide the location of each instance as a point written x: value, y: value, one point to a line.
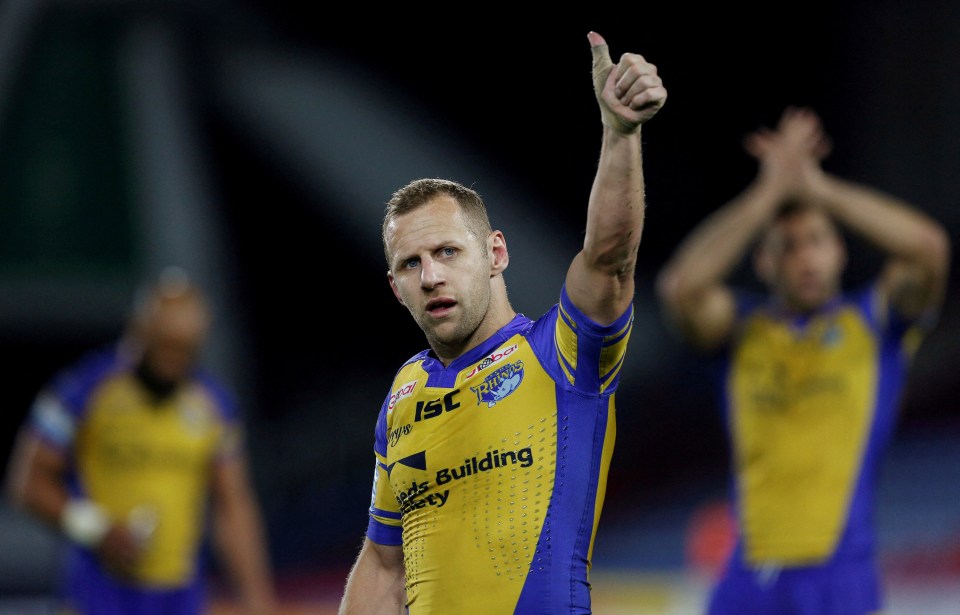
x: 811, y: 283
x: 440, y: 307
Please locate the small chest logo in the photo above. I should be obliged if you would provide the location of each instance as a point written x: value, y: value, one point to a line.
x: 499, y: 384
x: 404, y: 391
x: 194, y: 418
x: 435, y: 407
x: 495, y: 357
x: 832, y: 335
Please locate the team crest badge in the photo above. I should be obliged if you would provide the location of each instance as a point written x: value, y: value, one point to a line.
x: 499, y: 384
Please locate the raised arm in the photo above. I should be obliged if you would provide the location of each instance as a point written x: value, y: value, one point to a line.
x: 918, y: 248
x: 692, y: 285
x: 600, y: 278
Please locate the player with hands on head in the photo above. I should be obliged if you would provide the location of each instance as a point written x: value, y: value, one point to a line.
x: 812, y: 372
x: 493, y: 445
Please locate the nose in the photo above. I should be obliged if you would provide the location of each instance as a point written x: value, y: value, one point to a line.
x: 431, y: 274
x: 809, y: 254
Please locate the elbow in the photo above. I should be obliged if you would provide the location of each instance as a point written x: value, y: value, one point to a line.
x: 664, y: 284
x: 16, y: 482
x: 18, y: 489
x: 936, y: 251
x: 670, y: 289
x: 617, y: 256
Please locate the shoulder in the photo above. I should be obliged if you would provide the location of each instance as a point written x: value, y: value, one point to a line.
x: 64, y: 400
x: 74, y: 383
x: 882, y: 316
x: 420, y: 356
x: 565, y: 316
x: 748, y: 302
x: 220, y: 394
x: 748, y: 305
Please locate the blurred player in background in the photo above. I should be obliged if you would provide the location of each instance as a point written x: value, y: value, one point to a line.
x: 127, y: 451
x: 813, y: 373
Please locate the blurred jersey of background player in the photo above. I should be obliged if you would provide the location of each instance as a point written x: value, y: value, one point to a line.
x: 813, y: 371
x: 127, y: 451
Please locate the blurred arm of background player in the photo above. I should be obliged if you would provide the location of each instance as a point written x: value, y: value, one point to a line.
x: 36, y: 483
x: 161, y: 345
x: 238, y: 537
x: 692, y: 284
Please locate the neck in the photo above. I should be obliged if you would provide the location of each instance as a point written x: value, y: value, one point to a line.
x: 159, y: 388
x: 498, y: 316
x: 791, y: 308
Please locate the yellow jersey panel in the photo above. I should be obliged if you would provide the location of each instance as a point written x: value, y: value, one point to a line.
x: 810, y: 404
x: 803, y: 409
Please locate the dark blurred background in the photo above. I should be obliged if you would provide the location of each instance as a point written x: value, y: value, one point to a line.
x: 255, y: 143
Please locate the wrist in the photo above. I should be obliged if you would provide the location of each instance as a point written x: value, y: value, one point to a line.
x: 819, y: 186
x: 765, y: 196
x: 620, y: 126
x: 84, y: 522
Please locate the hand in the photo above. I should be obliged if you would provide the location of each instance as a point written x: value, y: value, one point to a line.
x: 790, y: 156
x: 120, y: 550
x: 629, y: 93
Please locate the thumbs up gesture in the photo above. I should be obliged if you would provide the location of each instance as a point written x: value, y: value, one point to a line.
x: 630, y: 92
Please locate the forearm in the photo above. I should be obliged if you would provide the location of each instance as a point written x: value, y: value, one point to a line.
x: 711, y: 252
x: 43, y: 498
x: 242, y: 547
x: 889, y: 223
x: 616, y: 209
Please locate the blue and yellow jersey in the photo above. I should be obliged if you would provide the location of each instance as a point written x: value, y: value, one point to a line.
x: 135, y: 454
x: 491, y: 472
x: 810, y: 405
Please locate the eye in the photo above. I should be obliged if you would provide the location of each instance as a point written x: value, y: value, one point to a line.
x: 448, y: 251
x: 410, y: 263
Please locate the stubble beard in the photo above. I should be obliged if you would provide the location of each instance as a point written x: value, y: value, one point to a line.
x: 464, y: 328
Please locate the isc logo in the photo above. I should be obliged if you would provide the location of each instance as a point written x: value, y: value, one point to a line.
x: 436, y: 407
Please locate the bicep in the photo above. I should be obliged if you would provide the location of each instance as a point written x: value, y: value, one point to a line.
x: 387, y: 557
x: 911, y: 289
x: 44, y: 440
x: 601, y: 296
x: 35, y: 476
x: 376, y: 583
x: 380, y: 566
x: 34, y: 459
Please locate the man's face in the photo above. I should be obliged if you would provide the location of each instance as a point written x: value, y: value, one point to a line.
x: 801, y: 259
x: 173, y: 336
x: 439, y: 271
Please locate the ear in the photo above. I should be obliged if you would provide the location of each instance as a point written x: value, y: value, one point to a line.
x: 763, y: 265
x: 842, y: 249
x: 497, y: 249
x: 393, y: 286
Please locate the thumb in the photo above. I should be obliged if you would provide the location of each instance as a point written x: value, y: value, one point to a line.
x: 602, y: 64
